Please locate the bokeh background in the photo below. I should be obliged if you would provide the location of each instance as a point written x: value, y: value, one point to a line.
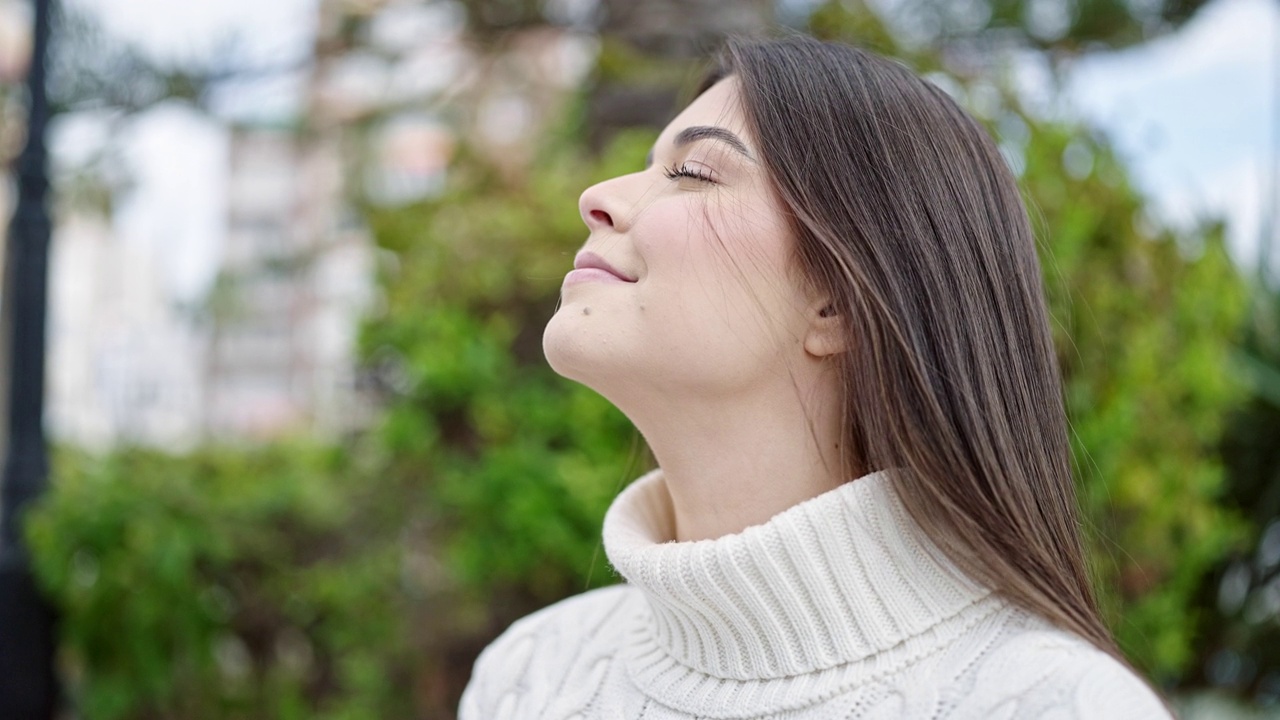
x: 308, y: 458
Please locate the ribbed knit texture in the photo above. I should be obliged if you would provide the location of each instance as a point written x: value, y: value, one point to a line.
x: 839, y: 607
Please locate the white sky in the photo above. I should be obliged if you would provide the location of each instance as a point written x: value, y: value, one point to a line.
x: 1192, y: 112
x: 1196, y: 114
x: 182, y: 29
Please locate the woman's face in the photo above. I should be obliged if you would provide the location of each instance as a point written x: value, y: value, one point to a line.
x: 707, y: 305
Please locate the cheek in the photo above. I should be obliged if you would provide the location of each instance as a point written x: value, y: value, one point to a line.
x: 717, y: 270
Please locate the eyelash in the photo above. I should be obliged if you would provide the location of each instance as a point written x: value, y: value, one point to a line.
x: 674, y: 172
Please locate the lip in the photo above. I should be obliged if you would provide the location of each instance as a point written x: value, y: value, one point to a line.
x: 591, y: 275
x: 589, y: 261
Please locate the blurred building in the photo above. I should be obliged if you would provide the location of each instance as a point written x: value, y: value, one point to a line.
x: 15, y: 55
x: 296, y: 276
x: 123, y: 360
x: 298, y: 268
x: 395, y: 87
x: 404, y: 81
x: 15, y: 40
x: 252, y: 365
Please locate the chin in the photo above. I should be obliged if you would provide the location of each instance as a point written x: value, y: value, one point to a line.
x: 568, y: 348
x: 625, y: 365
x: 585, y: 352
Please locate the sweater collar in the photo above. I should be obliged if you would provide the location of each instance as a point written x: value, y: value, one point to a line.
x: 828, y: 582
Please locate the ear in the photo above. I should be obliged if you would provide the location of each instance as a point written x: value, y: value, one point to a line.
x: 826, y: 332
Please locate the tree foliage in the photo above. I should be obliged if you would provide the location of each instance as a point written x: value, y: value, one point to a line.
x: 1058, y: 28
x: 223, y: 584
x: 1241, y: 625
x: 1146, y: 319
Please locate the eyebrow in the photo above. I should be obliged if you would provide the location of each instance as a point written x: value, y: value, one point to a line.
x: 695, y: 133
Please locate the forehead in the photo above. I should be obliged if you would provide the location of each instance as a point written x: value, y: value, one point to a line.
x: 719, y: 106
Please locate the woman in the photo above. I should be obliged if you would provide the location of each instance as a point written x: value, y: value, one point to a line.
x: 820, y: 303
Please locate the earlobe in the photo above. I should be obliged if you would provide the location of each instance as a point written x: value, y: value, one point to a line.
x: 826, y: 335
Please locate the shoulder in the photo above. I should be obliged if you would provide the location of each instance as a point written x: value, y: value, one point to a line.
x: 559, y: 641
x: 573, y: 615
x: 1037, y: 670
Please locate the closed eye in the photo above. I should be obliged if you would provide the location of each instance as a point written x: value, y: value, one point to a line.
x: 685, y: 171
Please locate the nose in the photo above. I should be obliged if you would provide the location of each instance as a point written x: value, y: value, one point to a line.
x: 602, y: 206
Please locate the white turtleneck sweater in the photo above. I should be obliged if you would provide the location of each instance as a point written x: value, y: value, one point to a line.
x: 839, y: 607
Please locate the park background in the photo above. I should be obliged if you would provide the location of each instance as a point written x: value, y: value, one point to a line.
x: 307, y: 456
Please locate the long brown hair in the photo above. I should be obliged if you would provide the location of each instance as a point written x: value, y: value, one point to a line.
x: 905, y: 213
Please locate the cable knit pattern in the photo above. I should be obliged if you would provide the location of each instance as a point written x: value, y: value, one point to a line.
x: 839, y: 607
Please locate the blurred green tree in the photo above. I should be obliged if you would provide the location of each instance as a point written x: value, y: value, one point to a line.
x: 1240, y: 650
x: 228, y: 583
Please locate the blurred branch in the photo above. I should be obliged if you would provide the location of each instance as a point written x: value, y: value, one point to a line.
x: 490, y: 20
x: 94, y: 71
x: 1056, y: 28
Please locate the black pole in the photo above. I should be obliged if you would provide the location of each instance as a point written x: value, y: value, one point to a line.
x: 28, y: 686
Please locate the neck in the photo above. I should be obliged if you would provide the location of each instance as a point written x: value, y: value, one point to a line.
x: 736, y: 460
